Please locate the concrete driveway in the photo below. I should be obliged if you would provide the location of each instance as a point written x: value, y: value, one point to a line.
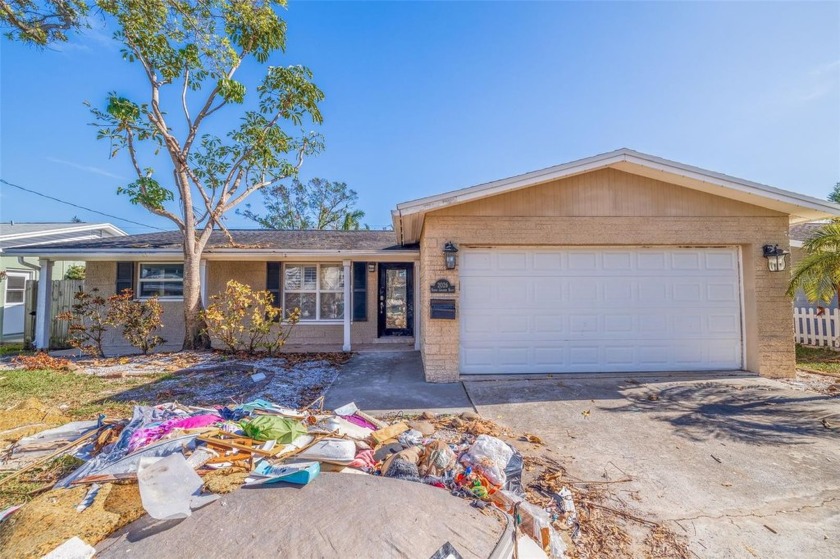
x: 744, y: 467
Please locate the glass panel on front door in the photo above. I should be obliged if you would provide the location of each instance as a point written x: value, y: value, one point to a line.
x: 396, y: 299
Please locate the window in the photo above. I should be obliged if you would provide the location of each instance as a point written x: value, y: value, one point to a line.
x: 316, y: 289
x: 15, y: 287
x: 163, y: 280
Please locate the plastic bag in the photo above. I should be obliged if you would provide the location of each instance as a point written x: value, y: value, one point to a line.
x: 536, y: 523
x: 513, y: 474
x: 169, y: 487
x: 489, y: 456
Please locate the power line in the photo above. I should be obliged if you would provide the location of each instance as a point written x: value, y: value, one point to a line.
x: 80, y: 207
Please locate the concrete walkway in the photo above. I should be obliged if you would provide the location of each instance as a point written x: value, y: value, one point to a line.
x: 391, y: 381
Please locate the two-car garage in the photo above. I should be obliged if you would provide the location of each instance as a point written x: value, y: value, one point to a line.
x: 566, y: 310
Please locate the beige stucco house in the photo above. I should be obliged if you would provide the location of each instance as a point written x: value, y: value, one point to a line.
x: 620, y: 262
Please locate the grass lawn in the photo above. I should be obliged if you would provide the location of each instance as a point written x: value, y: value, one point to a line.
x: 820, y: 359
x: 77, y: 395
x: 10, y: 349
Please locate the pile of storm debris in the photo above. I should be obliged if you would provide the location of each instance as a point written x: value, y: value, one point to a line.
x: 170, y: 459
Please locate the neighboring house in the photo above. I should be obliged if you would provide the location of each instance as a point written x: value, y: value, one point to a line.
x: 620, y: 262
x: 19, y: 270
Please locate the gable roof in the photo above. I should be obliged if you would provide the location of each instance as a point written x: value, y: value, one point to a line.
x: 408, y: 216
x: 30, y: 234
x: 257, y: 242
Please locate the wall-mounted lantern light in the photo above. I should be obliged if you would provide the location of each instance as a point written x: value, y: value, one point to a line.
x: 371, y: 267
x: 450, y: 255
x: 775, y: 257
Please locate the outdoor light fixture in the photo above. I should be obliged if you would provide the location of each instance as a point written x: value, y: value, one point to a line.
x: 371, y: 267
x: 450, y: 257
x: 775, y: 257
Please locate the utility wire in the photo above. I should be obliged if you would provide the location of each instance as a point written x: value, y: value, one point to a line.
x: 80, y: 207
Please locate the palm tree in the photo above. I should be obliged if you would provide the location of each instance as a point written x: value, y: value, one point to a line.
x: 818, y: 274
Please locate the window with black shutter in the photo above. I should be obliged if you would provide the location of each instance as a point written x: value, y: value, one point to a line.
x: 125, y: 276
x: 360, y: 291
x: 272, y: 282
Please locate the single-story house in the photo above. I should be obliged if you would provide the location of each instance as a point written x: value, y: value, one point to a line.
x: 620, y: 262
x: 17, y: 271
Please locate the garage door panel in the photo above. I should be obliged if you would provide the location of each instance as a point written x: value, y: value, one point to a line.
x: 549, y: 290
x: 591, y: 310
x: 582, y: 260
x: 548, y: 261
x: 722, y: 292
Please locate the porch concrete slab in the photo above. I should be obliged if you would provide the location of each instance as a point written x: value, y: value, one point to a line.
x: 335, y: 515
x: 390, y: 381
x: 743, y: 467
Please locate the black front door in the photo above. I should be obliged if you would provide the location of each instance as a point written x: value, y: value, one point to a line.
x: 396, y: 299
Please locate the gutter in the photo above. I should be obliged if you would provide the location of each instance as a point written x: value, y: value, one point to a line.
x: 217, y: 254
x: 26, y: 264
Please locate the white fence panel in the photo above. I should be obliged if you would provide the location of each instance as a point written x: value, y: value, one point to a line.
x: 817, y: 328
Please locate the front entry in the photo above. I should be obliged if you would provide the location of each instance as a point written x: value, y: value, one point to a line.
x: 396, y: 299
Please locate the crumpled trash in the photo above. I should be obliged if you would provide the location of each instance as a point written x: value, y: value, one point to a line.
x: 389, y: 432
x: 489, y: 456
x: 536, y: 522
x: 566, y: 504
x: 410, y: 455
x: 410, y: 438
x: 170, y: 488
x: 436, y: 459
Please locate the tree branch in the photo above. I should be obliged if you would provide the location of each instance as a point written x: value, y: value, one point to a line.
x: 184, y: 96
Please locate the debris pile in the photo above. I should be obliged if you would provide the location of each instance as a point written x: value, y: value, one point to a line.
x: 170, y: 459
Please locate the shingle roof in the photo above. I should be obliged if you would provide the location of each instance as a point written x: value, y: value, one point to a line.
x: 802, y: 231
x: 247, y: 239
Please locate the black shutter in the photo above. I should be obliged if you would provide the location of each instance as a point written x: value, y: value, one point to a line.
x: 272, y: 281
x: 360, y: 291
x: 125, y: 276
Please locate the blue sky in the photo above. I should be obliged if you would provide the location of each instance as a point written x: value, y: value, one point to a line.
x: 422, y: 98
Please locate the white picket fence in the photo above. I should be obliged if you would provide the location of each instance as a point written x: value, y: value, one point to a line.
x: 817, y: 329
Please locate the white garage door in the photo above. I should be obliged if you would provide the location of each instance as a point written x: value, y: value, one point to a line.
x: 600, y: 310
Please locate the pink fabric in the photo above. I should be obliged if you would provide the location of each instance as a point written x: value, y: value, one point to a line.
x: 146, y: 436
x: 360, y: 421
x: 364, y: 460
x: 195, y: 421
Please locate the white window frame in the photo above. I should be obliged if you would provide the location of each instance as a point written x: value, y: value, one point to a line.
x: 27, y: 277
x: 317, y: 291
x: 138, y: 281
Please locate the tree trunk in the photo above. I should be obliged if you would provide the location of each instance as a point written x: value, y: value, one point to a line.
x: 194, y: 335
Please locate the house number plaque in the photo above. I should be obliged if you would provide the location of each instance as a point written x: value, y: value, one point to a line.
x: 442, y: 286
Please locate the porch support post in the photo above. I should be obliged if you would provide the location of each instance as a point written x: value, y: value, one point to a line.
x: 348, y: 305
x: 202, y: 274
x: 43, y: 320
x: 417, y: 309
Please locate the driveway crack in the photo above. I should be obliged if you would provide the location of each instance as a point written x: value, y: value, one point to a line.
x: 757, y: 515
